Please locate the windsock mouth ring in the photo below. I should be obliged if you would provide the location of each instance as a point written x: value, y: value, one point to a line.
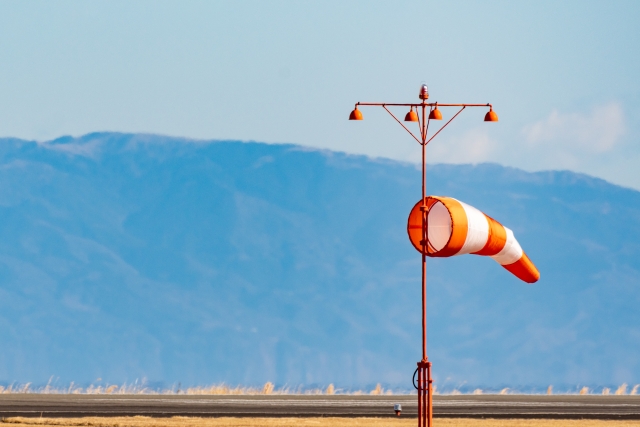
x: 441, y: 236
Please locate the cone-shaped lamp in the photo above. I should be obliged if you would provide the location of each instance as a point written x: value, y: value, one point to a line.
x: 435, y: 114
x: 355, y: 114
x: 411, y: 116
x: 491, y: 116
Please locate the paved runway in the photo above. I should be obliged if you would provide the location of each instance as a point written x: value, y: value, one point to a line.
x: 468, y: 406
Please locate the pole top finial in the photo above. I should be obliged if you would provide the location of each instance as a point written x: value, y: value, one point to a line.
x: 424, y: 92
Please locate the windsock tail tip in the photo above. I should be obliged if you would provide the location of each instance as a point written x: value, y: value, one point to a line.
x: 524, y: 269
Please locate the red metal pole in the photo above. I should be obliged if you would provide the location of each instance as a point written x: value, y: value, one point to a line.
x: 425, y: 401
x: 424, y: 237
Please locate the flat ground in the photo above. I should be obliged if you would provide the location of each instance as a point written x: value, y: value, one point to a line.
x: 314, y: 406
x: 302, y: 422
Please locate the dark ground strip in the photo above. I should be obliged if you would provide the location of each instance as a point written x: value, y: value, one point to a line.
x: 460, y: 406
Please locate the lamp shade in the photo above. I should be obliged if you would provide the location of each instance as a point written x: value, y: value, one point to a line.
x: 411, y: 116
x: 491, y: 116
x: 435, y: 114
x: 355, y: 114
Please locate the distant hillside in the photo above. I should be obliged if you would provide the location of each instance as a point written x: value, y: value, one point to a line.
x: 136, y: 256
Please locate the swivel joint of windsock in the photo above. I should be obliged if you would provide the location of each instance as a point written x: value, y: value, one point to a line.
x: 455, y: 228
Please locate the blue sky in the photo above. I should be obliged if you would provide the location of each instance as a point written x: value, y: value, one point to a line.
x: 563, y: 76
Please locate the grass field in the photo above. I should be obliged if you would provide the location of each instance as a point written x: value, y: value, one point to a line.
x: 302, y: 422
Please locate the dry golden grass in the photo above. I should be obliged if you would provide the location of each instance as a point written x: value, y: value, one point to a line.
x: 622, y: 390
x: 219, y: 389
x: 269, y: 388
x: 301, y: 422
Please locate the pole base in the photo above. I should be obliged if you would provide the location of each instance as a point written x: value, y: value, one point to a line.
x: 425, y: 394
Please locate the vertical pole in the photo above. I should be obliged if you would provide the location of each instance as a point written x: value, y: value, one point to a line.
x: 429, y: 414
x: 424, y: 366
x: 424, y: 236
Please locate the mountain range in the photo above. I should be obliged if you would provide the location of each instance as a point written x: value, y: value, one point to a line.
x: 131, y: 256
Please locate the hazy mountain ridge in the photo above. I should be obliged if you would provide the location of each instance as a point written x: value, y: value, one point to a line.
x: 130, y: 256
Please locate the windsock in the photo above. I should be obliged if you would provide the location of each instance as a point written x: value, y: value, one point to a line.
x: 455, y: 228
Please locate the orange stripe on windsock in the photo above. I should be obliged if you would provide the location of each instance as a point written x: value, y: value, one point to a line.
x: 497, y: 238
x: 524, y: 269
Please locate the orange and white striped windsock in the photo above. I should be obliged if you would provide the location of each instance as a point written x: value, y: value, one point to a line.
x: 455, y: 228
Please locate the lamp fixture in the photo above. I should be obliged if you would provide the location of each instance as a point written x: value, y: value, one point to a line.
x: 435, y: 114
x: 491, y: 116
x: 424, y: 92
x: 355, y: 114
x: 411, y: 116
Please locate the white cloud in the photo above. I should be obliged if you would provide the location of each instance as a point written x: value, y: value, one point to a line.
x: 597, y: 132
x: 89, y: 149
x: 473, y: 146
